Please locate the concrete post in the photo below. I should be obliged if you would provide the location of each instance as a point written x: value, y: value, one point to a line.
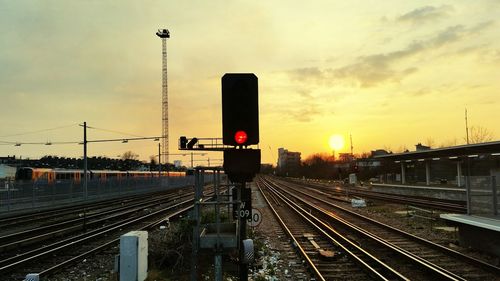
x: 459, y: 174
x: 218, y: 267
x: 403, y: 174
x: 427, y: 173
x: 134, y: 256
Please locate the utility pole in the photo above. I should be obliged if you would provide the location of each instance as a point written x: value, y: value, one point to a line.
x: 85, y: 178
x: 159, y: 159
x: 164, y: 34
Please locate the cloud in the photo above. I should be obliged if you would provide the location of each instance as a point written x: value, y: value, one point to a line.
x: 451, y: 34
x: 497, y: 56
x: 305, y: 113
x: 305, y: 93
x: 482, y: 25
x: 372, y: 70
x: 303, y: 101
x: 307, y: 73
x: 426, y: 14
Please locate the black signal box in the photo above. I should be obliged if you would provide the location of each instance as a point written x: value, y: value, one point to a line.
x: 241, y: 165
x: 240, y: 108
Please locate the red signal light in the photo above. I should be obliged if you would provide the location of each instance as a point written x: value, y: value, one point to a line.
x: 240, y: 137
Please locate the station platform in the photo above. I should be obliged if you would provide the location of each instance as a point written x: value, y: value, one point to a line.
x: 482, y: 233
x: 417, y: 190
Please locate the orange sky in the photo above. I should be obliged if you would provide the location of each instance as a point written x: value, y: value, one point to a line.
x: 391, y: 73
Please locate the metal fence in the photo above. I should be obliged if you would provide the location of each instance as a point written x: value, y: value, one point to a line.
x: 22, y: 195
x: 483, y: 195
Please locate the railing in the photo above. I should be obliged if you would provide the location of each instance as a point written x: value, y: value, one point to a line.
x: 22, y: 195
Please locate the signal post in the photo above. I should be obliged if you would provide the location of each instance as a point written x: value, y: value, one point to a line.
x: 240, y: 130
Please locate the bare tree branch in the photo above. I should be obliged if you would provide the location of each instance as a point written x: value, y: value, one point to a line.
x: 480, y: 134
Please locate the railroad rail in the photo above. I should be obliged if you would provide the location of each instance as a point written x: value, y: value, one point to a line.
x: 410, y: 256
x: 9, y: 221
x: 54, y: 254
x: 342, y: 258
x: 455, y: 206
x: 82, y: 222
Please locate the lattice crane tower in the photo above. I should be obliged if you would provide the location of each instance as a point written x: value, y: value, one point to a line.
x: 164, y: 34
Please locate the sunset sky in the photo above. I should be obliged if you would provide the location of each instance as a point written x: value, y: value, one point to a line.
x: 391, y: 73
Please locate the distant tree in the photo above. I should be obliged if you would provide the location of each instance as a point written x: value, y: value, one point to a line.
x: 362, y: 155
x: 478, y: 134
x: 266, y: 169
x: 402, y: 148
x: 387, y: 148
x: 318, y: 158
x: 130, y: 155
x: 318, y: 165
x: 430, y: 142
x: 152, y: 162
x: 448, y: 143
x: 365, y: 155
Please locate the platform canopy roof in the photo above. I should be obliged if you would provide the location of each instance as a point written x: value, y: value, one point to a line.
x: 452, y: 151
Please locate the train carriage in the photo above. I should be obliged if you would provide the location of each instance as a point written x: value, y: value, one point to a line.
x: 51, y: 175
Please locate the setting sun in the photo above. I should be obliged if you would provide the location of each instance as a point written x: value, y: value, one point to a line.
x: 336, y: 142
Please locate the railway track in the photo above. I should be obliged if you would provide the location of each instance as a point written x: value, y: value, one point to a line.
x: 46, y: 256
x: 16, y: 241
x: 48, y: 259
x: 11, y: 222
x: 404, y: 255
x: 426, y: 202
x: 341, y: 261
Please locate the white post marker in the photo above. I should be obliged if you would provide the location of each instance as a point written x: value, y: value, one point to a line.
x: 255, y: 219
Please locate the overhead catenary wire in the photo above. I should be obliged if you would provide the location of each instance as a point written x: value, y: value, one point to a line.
x: 114, y: 131
x: 39, y: 131
x: 123, y: 139
x: 38, y: 143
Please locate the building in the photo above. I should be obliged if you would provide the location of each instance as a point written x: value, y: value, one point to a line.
x: 379, y: 152
x: 472, y: 168
x: 288, y: 162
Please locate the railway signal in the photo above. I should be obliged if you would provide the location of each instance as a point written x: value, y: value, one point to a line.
x: 240, y: 125
x: 240, y: 109
x: 240, y: 129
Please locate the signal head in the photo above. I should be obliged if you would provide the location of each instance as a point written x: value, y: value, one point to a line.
x: 240, y: 109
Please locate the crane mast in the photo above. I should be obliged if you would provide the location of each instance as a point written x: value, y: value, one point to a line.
x: 164, y: 34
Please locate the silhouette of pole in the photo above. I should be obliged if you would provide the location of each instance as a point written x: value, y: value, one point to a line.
x: 159, y: 159
x: 164, y: 34
x: 85, y: 170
